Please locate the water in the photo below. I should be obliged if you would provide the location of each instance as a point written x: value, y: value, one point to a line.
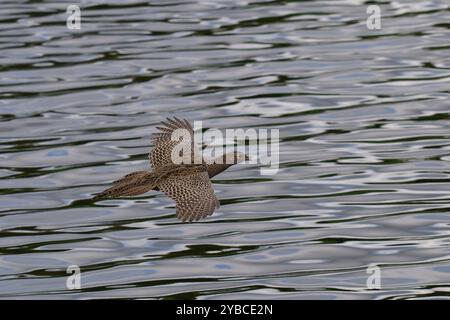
x: 365, y: 152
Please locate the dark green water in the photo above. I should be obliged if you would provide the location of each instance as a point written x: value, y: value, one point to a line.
x: 365, y: 151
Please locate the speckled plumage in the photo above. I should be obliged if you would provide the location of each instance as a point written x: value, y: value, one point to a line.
x: 188, y: 184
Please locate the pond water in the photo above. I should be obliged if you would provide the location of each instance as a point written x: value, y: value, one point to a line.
x: 364, y: 148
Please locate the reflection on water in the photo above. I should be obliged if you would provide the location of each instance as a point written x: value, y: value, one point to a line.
x: 365, y: 153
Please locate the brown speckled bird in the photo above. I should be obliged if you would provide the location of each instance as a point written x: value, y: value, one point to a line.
x: 188, y: 184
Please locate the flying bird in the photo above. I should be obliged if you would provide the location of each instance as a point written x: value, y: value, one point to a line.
x: 188, y: 184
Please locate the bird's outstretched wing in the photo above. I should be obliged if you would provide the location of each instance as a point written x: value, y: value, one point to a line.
x: 161, y: 154
x: 193, y: 194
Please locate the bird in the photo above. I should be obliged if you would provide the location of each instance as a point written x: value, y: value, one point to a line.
x: 188, y: 184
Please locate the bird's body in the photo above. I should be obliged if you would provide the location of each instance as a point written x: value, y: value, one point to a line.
x: 188, y: 183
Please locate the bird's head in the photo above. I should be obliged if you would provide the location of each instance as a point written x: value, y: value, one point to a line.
x: 225, y: 161
x: 235, y: 157
x: 241, y: 157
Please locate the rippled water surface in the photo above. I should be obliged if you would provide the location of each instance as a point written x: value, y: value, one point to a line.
x: 364, y: 151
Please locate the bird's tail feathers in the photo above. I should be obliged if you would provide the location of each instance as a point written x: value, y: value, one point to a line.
x: 132, y: 184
